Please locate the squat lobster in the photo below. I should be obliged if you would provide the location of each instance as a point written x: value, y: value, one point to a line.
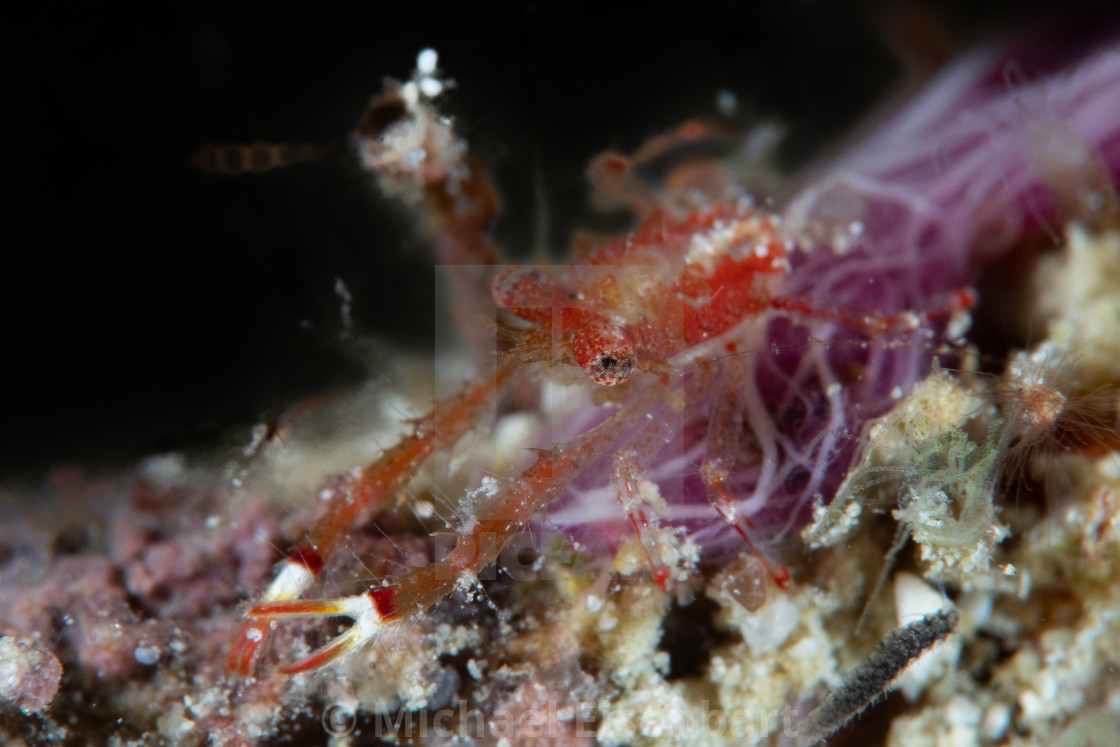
x: 665, y: 318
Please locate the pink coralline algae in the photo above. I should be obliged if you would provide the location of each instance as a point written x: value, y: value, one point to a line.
x: 118, y: 577
x: 29, y: 675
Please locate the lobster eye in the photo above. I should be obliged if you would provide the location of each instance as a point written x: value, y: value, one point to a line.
x: 604, y: 352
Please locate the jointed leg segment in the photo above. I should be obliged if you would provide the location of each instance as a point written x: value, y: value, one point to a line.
x: 368, y: 491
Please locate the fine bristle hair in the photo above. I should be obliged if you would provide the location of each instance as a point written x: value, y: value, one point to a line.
x: 1048, y: 411
x: 868, y: 681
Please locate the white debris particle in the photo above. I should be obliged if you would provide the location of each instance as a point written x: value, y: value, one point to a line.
x: 427, y: 61
x: 174, y: 726
x: 467, y: 585
x: 147, y: 655
x: 607, y: 622
x: 410, y: 92
x: 165, y: 469
x: 959, y: 324
x: 488, y: 487
x: 768, y: 628
x: 431, y: 87
x: 1024, y: 584
x: 996, y: 720
x: 594, y: 603
x: 829, y: 525
x: 896, y: 393
x: 476, y: 668
x: 962, y: 711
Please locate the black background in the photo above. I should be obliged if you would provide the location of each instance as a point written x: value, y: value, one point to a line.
x: 148, y: 306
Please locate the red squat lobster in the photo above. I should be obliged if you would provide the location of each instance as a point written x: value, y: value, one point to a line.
x: 664, y: 319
